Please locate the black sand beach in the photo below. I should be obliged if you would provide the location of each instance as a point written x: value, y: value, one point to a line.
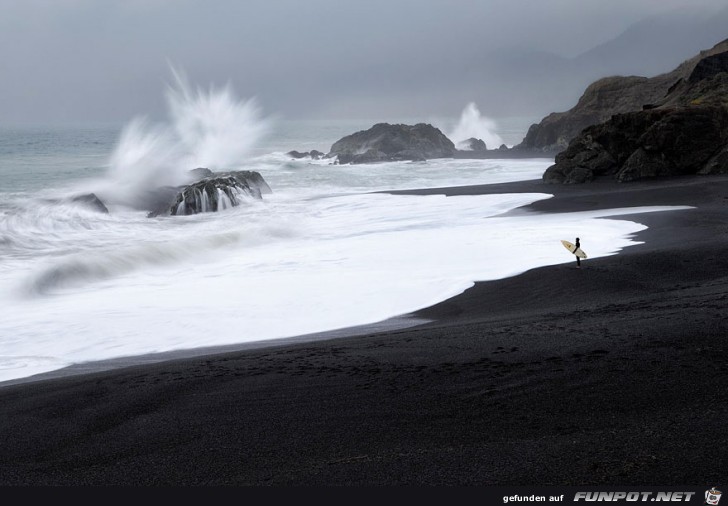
x: 610, y: 374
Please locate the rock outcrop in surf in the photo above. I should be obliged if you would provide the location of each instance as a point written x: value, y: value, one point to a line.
x: 313, y: 154
x: 92, y: 201
x: 211, y: 194
x: 685, y: 132
x: 473, y: 144
x: 385, y: 142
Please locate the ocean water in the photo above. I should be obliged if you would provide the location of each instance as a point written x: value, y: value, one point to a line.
x: 322, y: 252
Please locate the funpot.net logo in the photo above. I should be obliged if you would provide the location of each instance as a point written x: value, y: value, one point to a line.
x: 671, y: 496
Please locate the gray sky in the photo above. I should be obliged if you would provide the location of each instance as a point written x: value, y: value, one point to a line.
x: 106, y: 61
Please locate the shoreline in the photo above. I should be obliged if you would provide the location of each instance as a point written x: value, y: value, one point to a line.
x: 111, y: 364
x: 605, y: 375
x: 391, y: 324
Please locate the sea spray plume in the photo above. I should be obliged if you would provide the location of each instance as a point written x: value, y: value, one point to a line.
x: 473, y: 125
x: 145, y: 157
x: 216, y: 129
x: 212, y: 129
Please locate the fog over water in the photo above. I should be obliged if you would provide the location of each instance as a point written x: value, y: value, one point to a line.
x: 86, y: 61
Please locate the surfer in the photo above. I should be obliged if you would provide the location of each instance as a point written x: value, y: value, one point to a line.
x: 578, y: 260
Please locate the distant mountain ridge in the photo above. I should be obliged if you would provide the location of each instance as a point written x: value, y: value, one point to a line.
x: 511, y: 82
x: 676, y: 35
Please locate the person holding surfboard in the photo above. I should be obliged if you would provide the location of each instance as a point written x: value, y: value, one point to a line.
x: 576, y: 250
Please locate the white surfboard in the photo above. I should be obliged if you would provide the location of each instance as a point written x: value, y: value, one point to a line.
x: 572, y: 248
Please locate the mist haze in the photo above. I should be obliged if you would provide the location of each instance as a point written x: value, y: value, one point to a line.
x: 83, y: 61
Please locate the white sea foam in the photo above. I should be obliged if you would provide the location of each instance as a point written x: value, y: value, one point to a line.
x: 287, y: 266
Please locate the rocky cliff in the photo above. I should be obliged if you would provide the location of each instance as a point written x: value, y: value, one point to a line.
x: 684, y: 132
x: 616, y: 95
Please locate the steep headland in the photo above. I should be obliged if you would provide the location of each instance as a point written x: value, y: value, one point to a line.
x: 683, y: 132
x: 609, y: 96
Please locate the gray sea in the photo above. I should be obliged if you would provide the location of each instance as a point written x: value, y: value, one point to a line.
x: 322, y: 252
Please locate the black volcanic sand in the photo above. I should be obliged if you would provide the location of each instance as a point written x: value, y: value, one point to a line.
x: 615, y: 373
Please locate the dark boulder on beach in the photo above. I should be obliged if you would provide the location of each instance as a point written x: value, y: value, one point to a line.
x: 212, y: 194
x: 385, y: 142
x: 618, y: 95
x: 685, y: 132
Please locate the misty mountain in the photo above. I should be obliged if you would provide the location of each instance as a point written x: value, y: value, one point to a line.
x: 538, y: 82
x: 385, y: 61
x: 657, y: 44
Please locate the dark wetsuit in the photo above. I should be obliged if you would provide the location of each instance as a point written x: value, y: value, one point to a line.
x: 578, y: 260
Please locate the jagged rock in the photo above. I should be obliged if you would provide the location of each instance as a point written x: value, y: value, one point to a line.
x: 254, y: 180
x: 411, y: 155
x: 92, y: 201
x: 718, y: 164
x: 385, y: 142
x: 473, y: 144
x: 313, y: 154
x: 502, y: 147
x: 369, y: 156
x: 617, y: 95
x: 709, y: 67
x: 211, y: 194
x: 646, y: 144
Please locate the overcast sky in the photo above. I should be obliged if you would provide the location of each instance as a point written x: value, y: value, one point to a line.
x: 107, y: 61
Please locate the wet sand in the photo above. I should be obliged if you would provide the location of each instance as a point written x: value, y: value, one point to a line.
x: 610, y: 374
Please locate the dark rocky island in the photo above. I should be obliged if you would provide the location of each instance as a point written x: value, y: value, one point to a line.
x: 384, y: 142
x: 683, y: 132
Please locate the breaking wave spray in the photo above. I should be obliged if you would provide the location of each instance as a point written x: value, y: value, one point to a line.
x: 473, y: 124
x: 210, y: 128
